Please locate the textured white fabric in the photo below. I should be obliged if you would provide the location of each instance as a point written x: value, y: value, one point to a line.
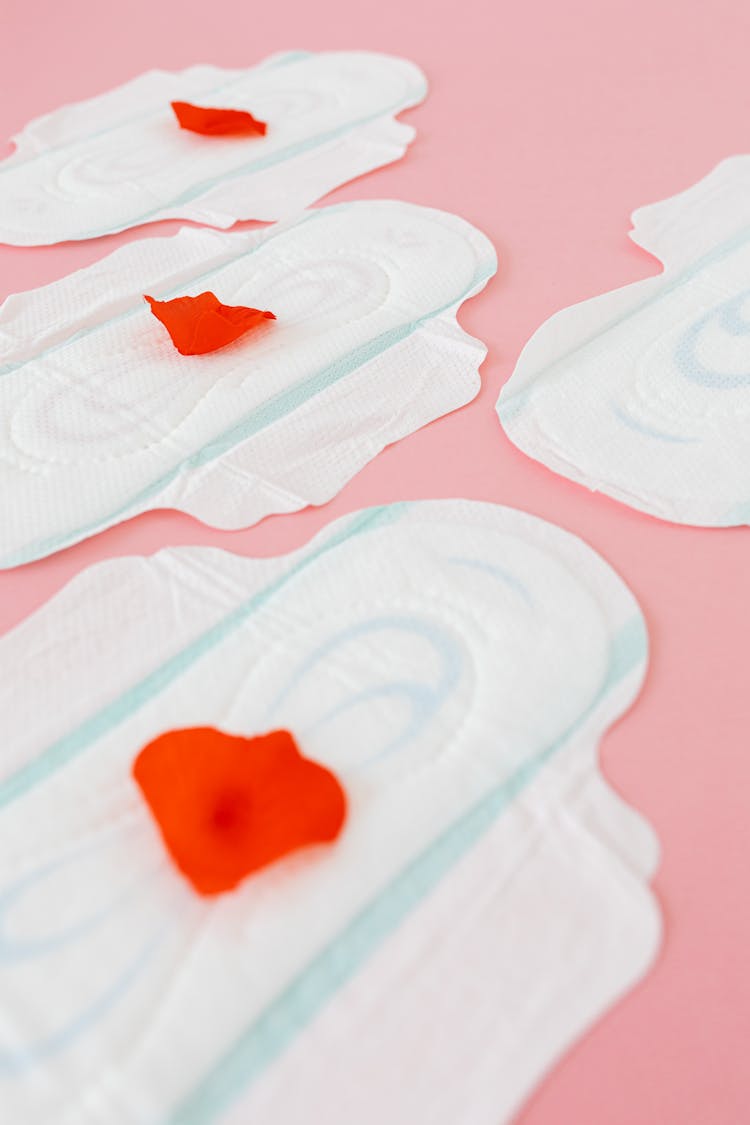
x: 103, y: 418
x: 456, y: 664
x: 121, y: 159
x: 644, y: 393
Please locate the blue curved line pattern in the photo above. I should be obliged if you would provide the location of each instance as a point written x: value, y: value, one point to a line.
x: 648, y: 431
x: 500, y: 572
x: 728, y: 317
x: 425, y: 700
x: 17, y: 1061
x: 14, y: 1062
x: 311, y: 990
x: 11, y: 950
x: 509, y: 405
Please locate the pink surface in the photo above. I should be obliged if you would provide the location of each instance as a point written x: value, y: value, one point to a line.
x: 547, y: 123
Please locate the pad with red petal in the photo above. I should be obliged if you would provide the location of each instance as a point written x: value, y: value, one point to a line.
x: 202, y: 324
x: 214, y: 122
x: 227, y: 806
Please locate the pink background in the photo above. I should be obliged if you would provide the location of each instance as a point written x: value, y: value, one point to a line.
x: 548, y: 121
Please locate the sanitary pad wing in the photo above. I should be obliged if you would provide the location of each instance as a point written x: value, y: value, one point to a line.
x: 121, y: 159
x: 455, y: 664
x: 103, y: 418
x: 644, y: 393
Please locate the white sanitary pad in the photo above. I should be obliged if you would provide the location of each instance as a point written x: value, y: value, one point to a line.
x: 103, y: 418
x: 644, y: 393
x: 455, y: 663
x: 121, y: 159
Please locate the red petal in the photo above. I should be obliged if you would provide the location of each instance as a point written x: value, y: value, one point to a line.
x: 202, y: 324
x: 227, y: 806
x: 214, y: 122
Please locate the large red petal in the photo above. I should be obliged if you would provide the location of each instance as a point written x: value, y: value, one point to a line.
x: 202, y: 324
x: 227, y: 806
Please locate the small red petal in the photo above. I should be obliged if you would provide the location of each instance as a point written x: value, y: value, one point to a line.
x: 227, y: 806
x: 213, y: 122
x: 202, y: 324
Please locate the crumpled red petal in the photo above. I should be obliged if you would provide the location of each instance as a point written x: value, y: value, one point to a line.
x: 213, y: 122
x: 202, y: 324
x: 228, y: 806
